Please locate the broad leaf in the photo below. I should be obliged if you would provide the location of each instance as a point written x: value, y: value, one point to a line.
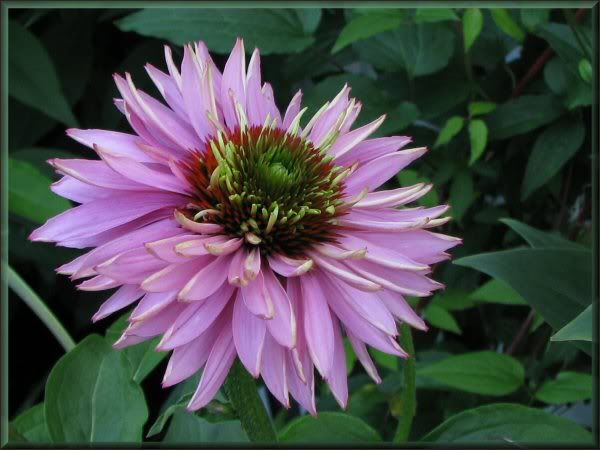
x: 508, y: 425
x: 551, y: 151
x: 566, y: 388
x: 418, y: 49
x: 523, y: 114
x: 143, y: 357
x: 29, y: 193
x: 532, y: 18
x: 271, y: 30
x: 423, y: 15
x: 478, y: 108
x: 328, y: 427
x: 483, y: 372
x: 186, y: 427
x: 91, y: 397
x: 439, y: 317
x: 579, y: 329
x: 478, y: 133
x: 32, y: 77
x: 507, y: 24
x: 452, y: 127
x: 31, y: 425
x: 540, y: 239
x: 462, y: 194
x: 539, y: 276
x: 472, y: 23
x: 497, y: 291
x: 363, y: 26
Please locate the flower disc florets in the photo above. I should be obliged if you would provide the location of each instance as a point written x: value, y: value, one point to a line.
x: 269, y: 186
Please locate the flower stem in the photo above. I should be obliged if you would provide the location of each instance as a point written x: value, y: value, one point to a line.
x: 24, y: 291
x: 409, y: 394
x: 242, y: 393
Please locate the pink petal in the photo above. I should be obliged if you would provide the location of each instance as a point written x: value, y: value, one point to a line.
x: 348, y: 141
x: 256, y: 298
x: 338, y: 380
x: 372, y: 149
x: 363, y: 356
x: 121, y: 143
x: 283, y: 325
x: 233, y: 85
x: 318, y: 327
x: 374, y: 173
x: 207, y: 281
x: 123, y: 297
x: 151, y: 304
x: 174, y: 276
x: 217, y: 366
x: 273, y: 370
x: 249, y: 336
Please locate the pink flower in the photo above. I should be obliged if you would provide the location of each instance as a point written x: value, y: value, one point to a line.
x: 237, y: 233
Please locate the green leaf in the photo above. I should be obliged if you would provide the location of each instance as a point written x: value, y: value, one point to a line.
x: 90, y: 396
x: 439, y: 317
x: 579, y: 329
x: 478, y: 108
x: 363, y: 26
x: 453, y: 299
x: 29, y: 193
x: 452, y: 127
x: 539, y: 275
x: 32, y: 77
x: 350, y: 356
x: 472, y: 23
x: 462, y: 194
x: 551, y: 151
x: 478, y: 133
x: 417, y: 49
x: 532, y: 18
x: 485, y: 372
x: 423, y: 15
x: 505, y: 22
x: 540, y: 239
x: 497, y: 291
x: 508, y: 424
x: 566, y: 388
x: 143, y: 357
x: 328, y: 427
x: 31, y: 425
x: 523, y: 114
x: 563, y: 42
x: 186, y: 427
x: 271, y: 30
x: 585, y: 70
x: 567, y: 84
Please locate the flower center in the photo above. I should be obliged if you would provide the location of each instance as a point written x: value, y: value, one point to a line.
x: 273, y: 188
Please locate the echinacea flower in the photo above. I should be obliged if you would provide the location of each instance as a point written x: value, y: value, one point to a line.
x: 239, y: 233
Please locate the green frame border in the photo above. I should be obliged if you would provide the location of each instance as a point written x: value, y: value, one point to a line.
x: 7, y: 5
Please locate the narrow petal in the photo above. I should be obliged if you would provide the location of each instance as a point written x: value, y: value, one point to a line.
x: 207, y: 281
x: 249, y: 336
x: 122, y: 144
x: 363, y: 356
x: 338, y: 380
x: 217, y: 366
x: 233, y: 85
x: 283, y: 325
x: 273, y: 370
x: 174, y: 276
x: 318, y: 327
x: 123, y: 297
x: 256, y: 298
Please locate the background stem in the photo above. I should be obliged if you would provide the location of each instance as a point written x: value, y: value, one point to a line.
x: 241, y: 390
x: 409, y: 393
x: 37, y: 305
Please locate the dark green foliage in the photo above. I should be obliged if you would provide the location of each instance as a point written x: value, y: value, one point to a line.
x: 509, y: 134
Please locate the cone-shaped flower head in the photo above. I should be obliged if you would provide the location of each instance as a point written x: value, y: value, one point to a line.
x: 237, y: 233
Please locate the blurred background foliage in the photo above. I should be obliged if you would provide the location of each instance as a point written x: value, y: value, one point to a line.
x: 503, y: 99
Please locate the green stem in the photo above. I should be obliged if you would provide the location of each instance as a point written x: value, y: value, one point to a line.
x: 22, y: 289
x: 409, y: 394
x: 241, y: 390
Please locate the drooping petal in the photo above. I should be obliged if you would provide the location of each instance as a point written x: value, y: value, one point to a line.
x: 249, y: 336
x: 273, y: 370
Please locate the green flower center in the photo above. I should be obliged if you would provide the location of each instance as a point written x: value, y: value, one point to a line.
x: 271, y: 187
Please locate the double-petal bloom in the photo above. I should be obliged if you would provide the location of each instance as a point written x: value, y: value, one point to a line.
x: 237, y: 232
